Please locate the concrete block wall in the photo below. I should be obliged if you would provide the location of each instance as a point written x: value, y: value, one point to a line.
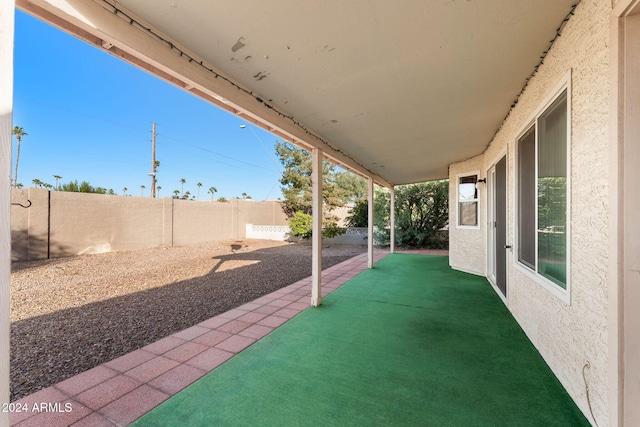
x: 59, y: 224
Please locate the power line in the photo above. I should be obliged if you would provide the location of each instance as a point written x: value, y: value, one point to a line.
x: 214, y: 152
x: 112, y: 122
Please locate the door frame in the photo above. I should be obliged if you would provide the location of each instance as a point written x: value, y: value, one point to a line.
x: 491, y: 230
x: 624, y: 229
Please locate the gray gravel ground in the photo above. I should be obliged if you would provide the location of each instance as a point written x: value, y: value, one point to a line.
x: 69, y: 315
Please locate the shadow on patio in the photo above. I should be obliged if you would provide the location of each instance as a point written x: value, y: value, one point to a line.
x: 410, y: 342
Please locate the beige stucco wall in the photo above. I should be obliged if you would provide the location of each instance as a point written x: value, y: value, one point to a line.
x: 95, y: 223
x: 19, y: 225
x: 62, y: 224
x: 200, y: 222
x: 469, y: 256
x: 566, y: 334
x: 248, y: 213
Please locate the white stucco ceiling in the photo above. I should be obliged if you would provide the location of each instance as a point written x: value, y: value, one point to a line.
x: 404, y: 87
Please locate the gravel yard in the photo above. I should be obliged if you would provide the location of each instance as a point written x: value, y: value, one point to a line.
x: 69, y: 315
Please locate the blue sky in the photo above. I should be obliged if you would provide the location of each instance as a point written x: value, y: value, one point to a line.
x: 88, y: 116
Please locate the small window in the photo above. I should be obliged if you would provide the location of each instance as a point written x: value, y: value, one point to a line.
x: 468, y: 201
x: 543, y: 194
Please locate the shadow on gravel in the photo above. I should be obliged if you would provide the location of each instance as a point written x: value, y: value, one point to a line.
x: 51, y: 348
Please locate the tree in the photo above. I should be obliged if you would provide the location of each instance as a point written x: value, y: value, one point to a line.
x: 158, y: 188
x: 199, y: 185
x: 296, y: 180
x: 142, y: 187
x: 176, y: 193
x: 359, y: 214
x: 212, y: 190
x: 57, y: 177
x: 350, y: 187
x: 84, y: 187
x: 297, y: 186
x: 182, y: 181
x: 19, y: 133
x: 422, y: 211
x: 124, y: 191
x: 222, y: 199
x: 246, y: 196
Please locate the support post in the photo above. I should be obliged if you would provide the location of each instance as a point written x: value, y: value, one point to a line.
x: 370, y: 225
x: 316, y: 239
x: 392, y: 221
x: 7, y: 12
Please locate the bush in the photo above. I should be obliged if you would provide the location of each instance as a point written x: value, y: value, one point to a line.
x: 422, y: 212
x: 301, y: 225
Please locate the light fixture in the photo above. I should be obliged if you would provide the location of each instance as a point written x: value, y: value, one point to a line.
x: 483, y: 180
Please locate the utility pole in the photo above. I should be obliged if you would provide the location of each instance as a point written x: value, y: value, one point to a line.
x: 153, y: 161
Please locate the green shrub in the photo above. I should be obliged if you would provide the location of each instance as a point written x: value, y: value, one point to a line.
x: 422, y: 214
x: 301, y: 225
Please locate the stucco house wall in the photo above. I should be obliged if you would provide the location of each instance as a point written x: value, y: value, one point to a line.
x: 574, y: 333
x: 470, y: 256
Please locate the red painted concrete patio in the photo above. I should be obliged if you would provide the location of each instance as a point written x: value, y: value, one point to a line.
x: 120, y: 391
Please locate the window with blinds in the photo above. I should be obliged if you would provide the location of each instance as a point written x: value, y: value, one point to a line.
x: 542, y: 194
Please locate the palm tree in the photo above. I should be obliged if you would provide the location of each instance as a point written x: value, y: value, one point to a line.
x: 37, y: 183
x: 212, y: 190
x: 199, y: 185
x: 142, y: 187
x: 158, y: 188
x: 183, y: 181
x: 19, y: 133
x: 57, y: 177
x: 176, y: 193
x: 124, y: 191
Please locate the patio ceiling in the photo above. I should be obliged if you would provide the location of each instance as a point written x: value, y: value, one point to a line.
x: 397, y: 90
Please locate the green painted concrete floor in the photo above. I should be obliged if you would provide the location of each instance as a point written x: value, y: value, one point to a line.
x: 410, y: 342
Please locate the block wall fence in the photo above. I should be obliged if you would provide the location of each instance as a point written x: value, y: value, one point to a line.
x: 60, y: 224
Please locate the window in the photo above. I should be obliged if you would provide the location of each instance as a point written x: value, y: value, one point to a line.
x: 467, y: 201
x: 542, y: 194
